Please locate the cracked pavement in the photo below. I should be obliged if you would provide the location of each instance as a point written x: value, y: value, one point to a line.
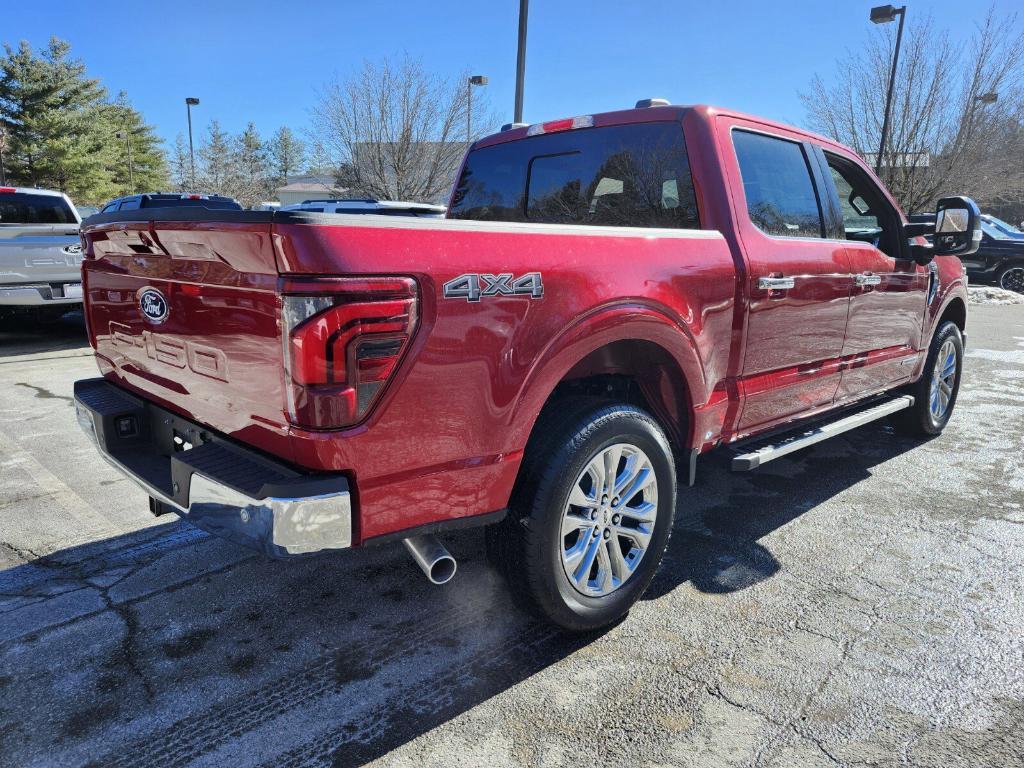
x: 855, y: 604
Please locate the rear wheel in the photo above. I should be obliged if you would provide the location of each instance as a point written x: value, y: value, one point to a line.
x: 590, y: 518
x: 936, y: 392
x: 1012, y: 278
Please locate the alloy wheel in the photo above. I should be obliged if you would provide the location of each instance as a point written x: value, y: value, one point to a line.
x: 943, y: 380
x: 1013, y: 279
x: 608, y: 520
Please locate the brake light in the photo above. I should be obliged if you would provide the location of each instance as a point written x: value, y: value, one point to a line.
x: 343, y: 340
x: 192, y: 197
x: 7, y: 190
x: 567, y: 124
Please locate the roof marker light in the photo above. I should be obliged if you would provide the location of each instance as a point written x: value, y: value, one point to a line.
x: 567, y: 124
x: 645, y: 103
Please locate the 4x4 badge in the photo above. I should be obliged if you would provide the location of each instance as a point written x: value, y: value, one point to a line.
x: 473, y: 287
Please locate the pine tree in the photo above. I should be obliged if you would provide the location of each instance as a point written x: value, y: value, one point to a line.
x: 251, y: 162
x: 287, y: 155
x: 218, y: 172
x: 60, y: 127
x: 147, y: 170
x: 181, y: 165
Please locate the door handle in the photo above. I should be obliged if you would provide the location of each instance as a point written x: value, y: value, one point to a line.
x: 775, y: 283
x: 867, y: 279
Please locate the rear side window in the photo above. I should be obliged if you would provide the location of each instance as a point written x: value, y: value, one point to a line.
x: 129, y: 205
x: 777, y: 183
x: 26, y: 208
x: 627, y: 176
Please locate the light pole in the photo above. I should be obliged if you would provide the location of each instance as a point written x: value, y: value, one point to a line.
x: 126, y: 135
x: 473, y: 80
x: 191, y: 101
x: 883, y: 14
x: 3, y: 146
x: 524, y: 8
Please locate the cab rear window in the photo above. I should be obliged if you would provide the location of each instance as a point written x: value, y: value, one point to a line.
x: 628, y: 176
x: 26, y: 208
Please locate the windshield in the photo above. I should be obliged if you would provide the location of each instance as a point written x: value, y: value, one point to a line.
x: 992, y: 232
x: 1000, y: 224
x: 27, y: 208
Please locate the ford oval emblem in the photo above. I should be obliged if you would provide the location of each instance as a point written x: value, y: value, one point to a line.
x: 154, y: 305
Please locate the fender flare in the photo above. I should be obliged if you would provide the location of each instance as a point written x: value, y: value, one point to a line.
x: 630, y: 321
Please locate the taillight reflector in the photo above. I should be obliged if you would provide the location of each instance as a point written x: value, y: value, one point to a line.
x: 343, y: 340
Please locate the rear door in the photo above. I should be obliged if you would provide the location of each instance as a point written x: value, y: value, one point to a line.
x: 798, y: 280
x: 890, y: 291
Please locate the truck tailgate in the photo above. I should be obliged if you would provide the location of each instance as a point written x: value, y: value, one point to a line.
x: 186, y: 313
x: 41, y: 253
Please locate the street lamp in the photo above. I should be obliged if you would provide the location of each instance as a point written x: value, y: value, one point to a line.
x: 883, y: 14
x: 473, y: 80
x: 126, y: 135
x: 191, y: 101
x: 3, y: 146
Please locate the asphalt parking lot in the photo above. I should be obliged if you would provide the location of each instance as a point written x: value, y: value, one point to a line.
x: 856, y: 604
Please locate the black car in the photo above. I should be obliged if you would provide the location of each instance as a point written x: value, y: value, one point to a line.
x: 999, y: 259
x: 170, y: 199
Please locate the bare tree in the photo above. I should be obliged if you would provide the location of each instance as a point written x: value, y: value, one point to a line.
x: 396, y: 131
x: 941, y: 110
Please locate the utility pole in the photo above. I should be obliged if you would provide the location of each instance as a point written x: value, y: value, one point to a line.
x: 883, y: 14
x: 524, y: 8
x: 191, y: 101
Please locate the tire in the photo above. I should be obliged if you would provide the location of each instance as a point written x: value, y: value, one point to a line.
x: 935, y: 393
x: 574, y: 579
x: 1011, y: 278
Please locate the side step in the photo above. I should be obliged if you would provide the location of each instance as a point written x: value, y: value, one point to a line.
x: 763, y: 451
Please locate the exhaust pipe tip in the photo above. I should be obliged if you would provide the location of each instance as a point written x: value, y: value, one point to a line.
x: 433, y: 559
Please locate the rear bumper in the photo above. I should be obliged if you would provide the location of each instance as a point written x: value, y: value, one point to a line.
x: 35, y: 295
x: 215, y: 483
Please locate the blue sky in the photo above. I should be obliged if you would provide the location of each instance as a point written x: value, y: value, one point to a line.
x: 265, y: 61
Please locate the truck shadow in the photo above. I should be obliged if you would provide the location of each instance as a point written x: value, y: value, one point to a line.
x: 166, y: 645
x: 719, y: 522
x: 28, y: 335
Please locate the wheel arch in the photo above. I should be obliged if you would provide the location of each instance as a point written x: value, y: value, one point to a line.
x: 633, y: 353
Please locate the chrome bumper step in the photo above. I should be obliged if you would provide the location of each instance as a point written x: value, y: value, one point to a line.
x: 761, y: 452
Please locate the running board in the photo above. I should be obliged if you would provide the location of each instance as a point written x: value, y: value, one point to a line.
x: 764, y: 451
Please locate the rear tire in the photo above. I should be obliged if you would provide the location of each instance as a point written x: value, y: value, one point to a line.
x: 935, y: 393
x: 590, y: 516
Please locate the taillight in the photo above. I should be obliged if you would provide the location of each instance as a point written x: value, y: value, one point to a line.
x: 343, y: 339
x: 8, y: 190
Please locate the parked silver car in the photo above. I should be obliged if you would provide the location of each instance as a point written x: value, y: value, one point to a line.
x: 40, y: 251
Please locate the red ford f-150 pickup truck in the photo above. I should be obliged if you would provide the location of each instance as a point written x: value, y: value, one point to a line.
x: 609, y: 297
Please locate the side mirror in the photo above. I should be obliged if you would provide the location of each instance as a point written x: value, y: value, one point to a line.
x: 957, y: 227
